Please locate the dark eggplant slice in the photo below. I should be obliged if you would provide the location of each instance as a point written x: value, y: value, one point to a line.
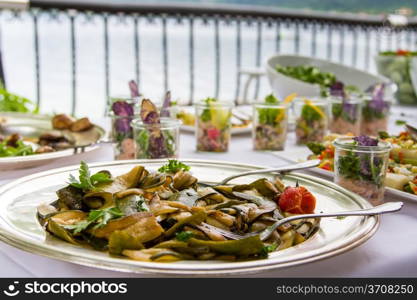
x: 71, y: 198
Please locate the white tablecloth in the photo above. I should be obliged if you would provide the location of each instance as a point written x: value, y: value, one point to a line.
x: 392, y: 251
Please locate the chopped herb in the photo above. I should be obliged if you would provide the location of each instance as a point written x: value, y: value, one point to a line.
x: 400, y: 122
x: 100, y: 217
x: 173, y: 166
x: 341, y: 217
x: 268, y: 249
x: 184, y: 236
x: 88, y: 182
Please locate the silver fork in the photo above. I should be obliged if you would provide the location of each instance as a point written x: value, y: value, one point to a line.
x: 264, y: 234
x: 287, y: 168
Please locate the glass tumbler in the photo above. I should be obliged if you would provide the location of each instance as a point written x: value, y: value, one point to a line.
x: 362, y: 169
x: 213, y: 126
x: 156, y: 140
x: 375, y: 115
x: 270, y: 123
x: 121, y: 135
x: 311, y: 120
x: 345, y: 115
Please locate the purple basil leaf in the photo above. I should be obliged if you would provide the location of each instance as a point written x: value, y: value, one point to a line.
x: 134, y: 90
x: 364, y: 140
x: 167, y: 104
x: 377, y: 102
x: 122, y: 108
x: 337, y: 89
x: 149, y: 115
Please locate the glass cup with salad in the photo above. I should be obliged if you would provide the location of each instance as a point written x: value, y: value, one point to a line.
x: 270, y: 120
x: 311, y: 120
x: 375, y: 112
x: 345, y: 115
x: 213, y: 125
x: 121, y: 113
x: 156, y: 140
x: 360, y: 166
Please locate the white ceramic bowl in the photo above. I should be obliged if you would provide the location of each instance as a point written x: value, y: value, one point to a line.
x: 283, y: 85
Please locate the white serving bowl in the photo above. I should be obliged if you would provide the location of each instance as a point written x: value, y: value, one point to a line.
x: 283, y: 85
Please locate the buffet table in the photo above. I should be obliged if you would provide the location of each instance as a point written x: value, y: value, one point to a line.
x: 390, y: 252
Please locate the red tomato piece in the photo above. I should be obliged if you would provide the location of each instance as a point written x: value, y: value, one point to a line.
x: 297, y: 200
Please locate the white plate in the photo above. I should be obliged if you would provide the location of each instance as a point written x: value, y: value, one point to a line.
x: 33, y: 125
x: 300, y: 153
x: 19, y: 226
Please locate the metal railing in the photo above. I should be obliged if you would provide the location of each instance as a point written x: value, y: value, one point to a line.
x: 80, y: 52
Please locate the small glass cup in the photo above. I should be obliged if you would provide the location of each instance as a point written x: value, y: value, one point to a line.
x: 122, y: 137
x: 345, y: 115
x: 375, y: 116
x: 270, y: 123
x: 156, y: 140
x: 362, y: 169
x: 311, y: 120
x: 213, y: 126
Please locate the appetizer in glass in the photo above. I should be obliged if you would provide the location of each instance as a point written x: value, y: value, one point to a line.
x: 155, y: 136
x: 311, y: 120
x: 375, y: 112
x: 122, y: 114
x: 213, y: 125
x: 270, y: 121
x: 360, y: 166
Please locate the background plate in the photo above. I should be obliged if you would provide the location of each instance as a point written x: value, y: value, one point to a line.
x: 20, y: 228
x: 31, y: 125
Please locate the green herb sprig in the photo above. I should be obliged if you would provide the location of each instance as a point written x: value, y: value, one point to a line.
x: 268, y: 249
x: 86, y: 181
x: 173, y: 166
x: 99, y: 216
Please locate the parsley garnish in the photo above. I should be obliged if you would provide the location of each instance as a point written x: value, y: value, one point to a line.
x: 173, y: 166
x: 86, y: 181
x: 267, y: 249
x: 183, y: 236
x: 99, y: 216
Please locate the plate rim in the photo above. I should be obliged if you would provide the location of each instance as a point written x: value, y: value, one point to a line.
x: 40, y: 248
